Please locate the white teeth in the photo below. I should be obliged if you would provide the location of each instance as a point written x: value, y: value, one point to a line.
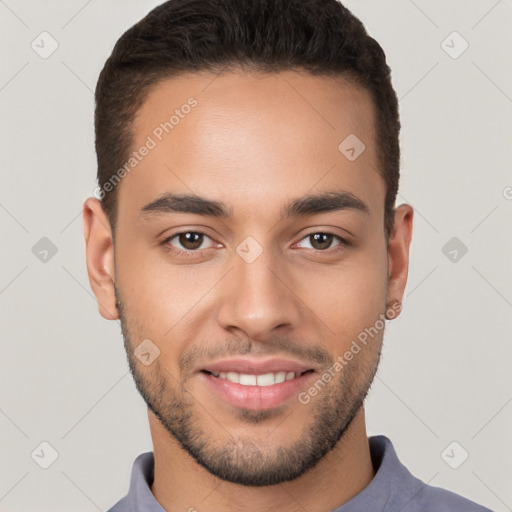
x: 233, y: 377
x: 266, y: 379
x: 281, y: 377
x: 248, y: 380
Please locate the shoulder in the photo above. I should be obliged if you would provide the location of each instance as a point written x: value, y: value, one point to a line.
x: 396, y: 488
x: 139, y: 495
x: 431, y: 498
x: 122, y: 505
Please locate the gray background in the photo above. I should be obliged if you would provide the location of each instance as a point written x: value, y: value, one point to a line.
x: 445, y: 373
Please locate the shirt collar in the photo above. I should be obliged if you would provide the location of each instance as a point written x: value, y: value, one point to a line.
x: 392, y: 487
x: 140, y: 496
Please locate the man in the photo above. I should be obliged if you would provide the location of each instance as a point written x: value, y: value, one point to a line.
x: 247, y: 238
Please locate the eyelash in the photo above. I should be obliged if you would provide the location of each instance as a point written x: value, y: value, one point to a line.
x: 343, y: 243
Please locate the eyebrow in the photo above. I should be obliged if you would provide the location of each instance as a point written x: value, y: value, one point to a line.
x: 308, y: 205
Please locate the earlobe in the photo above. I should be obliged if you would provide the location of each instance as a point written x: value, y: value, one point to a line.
x: 100, y: 257
x: 398, y: 255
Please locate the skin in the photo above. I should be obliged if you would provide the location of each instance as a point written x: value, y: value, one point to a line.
x: 254, y: 141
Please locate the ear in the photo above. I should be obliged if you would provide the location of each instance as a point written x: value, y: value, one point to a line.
x: 398, y: 254
x: 99, y: 247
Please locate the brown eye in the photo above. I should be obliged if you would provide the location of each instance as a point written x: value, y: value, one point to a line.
x: 191, y: 240
x: 322, y: 241
x: 188, y: 241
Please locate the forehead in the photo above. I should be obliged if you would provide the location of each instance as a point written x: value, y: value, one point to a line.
x: 252, y: 135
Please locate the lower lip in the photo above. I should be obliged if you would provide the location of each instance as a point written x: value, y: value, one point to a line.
x: 256, y: 397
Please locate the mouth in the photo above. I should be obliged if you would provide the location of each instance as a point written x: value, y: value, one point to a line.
x: 261, y: 380
x: 256, y: 384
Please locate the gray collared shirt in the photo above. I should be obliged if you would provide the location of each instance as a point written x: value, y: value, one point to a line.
x: 393, y: 488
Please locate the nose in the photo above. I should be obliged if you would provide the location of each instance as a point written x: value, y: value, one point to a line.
x: 257, y: 299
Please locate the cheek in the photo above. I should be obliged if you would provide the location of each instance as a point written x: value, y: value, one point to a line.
x: 161, y: 299
x: 150, y: 284
x: 351, y: 297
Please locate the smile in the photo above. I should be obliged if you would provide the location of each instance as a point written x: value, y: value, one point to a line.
x: 265, y: 379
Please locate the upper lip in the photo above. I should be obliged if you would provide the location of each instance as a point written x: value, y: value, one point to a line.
x: 255, y: 366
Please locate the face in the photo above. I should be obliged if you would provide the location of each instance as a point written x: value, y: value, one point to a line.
x: 250, y: 256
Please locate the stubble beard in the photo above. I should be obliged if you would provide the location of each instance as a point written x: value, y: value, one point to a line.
x: 245, y: 460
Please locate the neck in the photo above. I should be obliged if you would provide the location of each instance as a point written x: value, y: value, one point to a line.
x: 180, y: 483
